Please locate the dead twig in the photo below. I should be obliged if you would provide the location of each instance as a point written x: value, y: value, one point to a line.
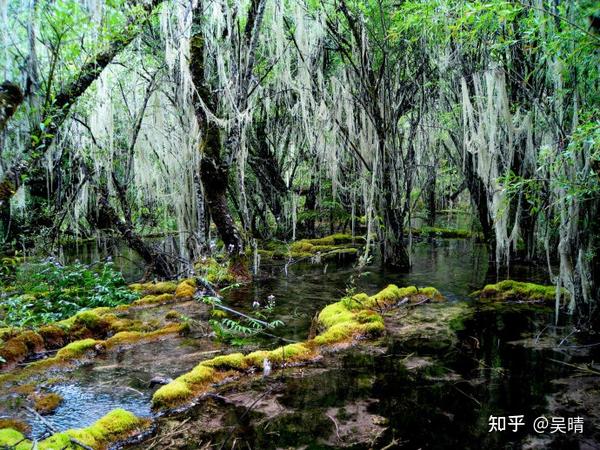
x: 337, y: 428
x: 53, y: 429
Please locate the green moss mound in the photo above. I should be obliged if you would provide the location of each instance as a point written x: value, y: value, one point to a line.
x: 340, y: 323
x: 113, y: 427
x: 516, y: 291
x: 215, y: 272
x: 442, y: 232
x: 334, y: 247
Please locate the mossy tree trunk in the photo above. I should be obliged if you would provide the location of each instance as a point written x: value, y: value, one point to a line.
x: 216, y: 155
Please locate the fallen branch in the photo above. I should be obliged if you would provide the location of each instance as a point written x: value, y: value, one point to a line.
x: 53, y: 429
x: 337, y: 428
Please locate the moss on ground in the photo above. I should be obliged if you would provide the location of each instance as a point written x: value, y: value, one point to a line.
x: 510, y: 290
x: 116, y: 426
x: 340, y: 323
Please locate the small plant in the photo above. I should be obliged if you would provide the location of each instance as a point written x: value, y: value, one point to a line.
x: 240, y: 331
x: 48, y: 291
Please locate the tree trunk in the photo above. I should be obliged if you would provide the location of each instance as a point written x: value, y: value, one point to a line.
x: 393, y: 250
x: 431, y: 209
x: 10, y: 99
x: 156, y: 262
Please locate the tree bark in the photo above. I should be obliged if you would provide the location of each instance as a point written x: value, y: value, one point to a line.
x: 10, y: 99
x: 156, y: 262
x: 214, y: 165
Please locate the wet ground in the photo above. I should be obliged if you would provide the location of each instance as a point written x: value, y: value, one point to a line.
x: 430, y: 395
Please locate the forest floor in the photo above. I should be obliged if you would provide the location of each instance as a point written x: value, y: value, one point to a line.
x: 374, y: 372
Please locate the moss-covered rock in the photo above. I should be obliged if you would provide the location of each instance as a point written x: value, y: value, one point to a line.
x: 516, y: 291
x: 46, y: 403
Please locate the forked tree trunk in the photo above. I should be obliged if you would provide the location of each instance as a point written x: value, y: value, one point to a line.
x: 214, y: 171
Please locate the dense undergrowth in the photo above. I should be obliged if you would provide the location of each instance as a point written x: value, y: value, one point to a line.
x: 39, y: 292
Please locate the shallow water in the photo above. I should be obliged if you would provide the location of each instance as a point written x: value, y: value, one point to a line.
x: 444, y: 406
x: 456, y: 267
x: 502, y: 377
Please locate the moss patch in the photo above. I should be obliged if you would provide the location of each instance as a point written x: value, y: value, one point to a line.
x: 117, y: 425
x: 46, y: 403
x: 15, y: 424
x: 186, y: 289
x: 337, y: 246
x: 53, y: 336
x: 172, y: 394
x: 509, y: 290
x: 17, y: 348
x: 215, y: 272
x: 162, y: 287
x: 153, y: 299
x: 340, y: 322
x: 9, y: 438
x: 77, y: 349
x: 442, y: 232
x: 232, y: 361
